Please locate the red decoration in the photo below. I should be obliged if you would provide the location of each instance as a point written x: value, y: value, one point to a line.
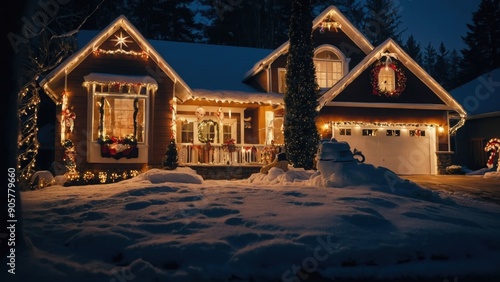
x: 400, y: 80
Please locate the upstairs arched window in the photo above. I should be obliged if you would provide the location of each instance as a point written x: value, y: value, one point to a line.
x: 330, y: 65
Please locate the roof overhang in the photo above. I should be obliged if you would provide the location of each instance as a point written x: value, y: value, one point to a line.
x: 121, y: 22
x: 391, y: 46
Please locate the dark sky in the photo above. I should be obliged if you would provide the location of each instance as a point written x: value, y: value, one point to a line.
x: 437, y: 20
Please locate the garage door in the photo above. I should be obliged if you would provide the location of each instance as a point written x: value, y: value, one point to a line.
x: 402, y: 150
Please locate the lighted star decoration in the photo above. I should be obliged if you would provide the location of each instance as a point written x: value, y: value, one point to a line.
x: 121, y: 40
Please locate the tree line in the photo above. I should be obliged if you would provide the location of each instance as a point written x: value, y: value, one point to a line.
x: 265, y: 24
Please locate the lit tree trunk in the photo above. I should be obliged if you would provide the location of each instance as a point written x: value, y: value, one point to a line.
x: 300, y: 132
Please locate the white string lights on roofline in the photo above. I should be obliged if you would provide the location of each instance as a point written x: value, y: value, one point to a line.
x: 383, y: 124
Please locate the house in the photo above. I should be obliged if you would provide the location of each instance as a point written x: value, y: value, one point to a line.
x: 479, y: 98
x: 123, y: 98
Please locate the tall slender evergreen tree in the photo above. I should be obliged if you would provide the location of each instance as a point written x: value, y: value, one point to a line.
x: 300, y: 132
x: 382, y: 21
x: 482, y: 53
x: 413, y: 49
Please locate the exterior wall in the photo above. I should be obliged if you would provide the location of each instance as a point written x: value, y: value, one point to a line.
x: 160, y: 115
x: 471, y: 139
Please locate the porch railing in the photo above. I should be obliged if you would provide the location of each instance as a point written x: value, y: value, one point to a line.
x: 248, y: 154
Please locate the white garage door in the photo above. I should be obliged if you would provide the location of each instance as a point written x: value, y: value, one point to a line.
x: 402, y: 150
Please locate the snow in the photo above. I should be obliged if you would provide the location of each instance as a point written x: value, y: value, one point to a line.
x: 360, y: 222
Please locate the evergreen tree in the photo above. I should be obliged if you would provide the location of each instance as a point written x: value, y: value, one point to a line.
x: 300, y: 132
x: 382, y: 21
x: 441, y: 66
x: 482, y: 53
x: 413, y: 49
x: 429, y: 59
x: 165, y: 20
x: 171, y: 156
x: 251, y: 23
x: 455, y: 69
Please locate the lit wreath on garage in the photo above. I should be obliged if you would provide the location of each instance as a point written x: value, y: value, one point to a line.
x: 387, y: 67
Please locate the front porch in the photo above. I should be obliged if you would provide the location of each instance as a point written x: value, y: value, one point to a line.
x: 219, y: 162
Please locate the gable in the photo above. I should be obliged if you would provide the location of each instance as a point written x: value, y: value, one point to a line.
x: 421, y: 89
x: 360, y: 90
x: 348, y: 39
x: 119, y: 41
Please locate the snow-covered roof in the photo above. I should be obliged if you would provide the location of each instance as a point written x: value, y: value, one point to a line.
x: 403, y: 57
x: 211, y: 71
x: 88, y: 42
x: 210, y: 67
x: 479, y: 96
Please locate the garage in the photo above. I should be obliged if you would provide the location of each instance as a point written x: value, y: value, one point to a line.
x: 405, y: 151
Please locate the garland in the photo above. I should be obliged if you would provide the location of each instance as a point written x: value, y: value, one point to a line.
x: 400, y: 79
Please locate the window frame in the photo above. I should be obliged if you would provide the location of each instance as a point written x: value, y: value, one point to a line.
x: 344, y: 63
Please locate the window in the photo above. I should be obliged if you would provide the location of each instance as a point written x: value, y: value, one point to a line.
x: 370, y: 132
x: 119, y: 115
x: 393, y: 132
x: 345, y: 131
x: 329, y: 67
x: 417, y: 133
x: 386, y: 79
x: 281, y: 81
x: 226, y: 132
x: 187, y: 132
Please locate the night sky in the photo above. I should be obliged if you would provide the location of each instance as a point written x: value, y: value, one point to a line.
x: 437, y: 21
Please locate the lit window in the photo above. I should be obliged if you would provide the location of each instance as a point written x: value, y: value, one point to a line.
x: 187, y: 132
x: 227, y: 132
x: 386, y: 79
x: 329, y: 68
x: 345, y: 131
x: 370, y: 132
x: 393, y: 132
x: 119, y: 115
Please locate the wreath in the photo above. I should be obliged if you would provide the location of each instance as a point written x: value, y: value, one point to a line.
x: 400, y: 79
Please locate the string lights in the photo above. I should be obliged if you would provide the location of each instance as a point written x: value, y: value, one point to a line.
x: 29, y: 101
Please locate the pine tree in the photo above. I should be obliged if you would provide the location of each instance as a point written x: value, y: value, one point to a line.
x: 482, y: 53
x: 455, y: 68
x: 429, y: 59
x: 251, y: 23
x: 382, y: 21
x: 441, y: 66
x: 171, y: 156
x: 413, y: 49
x: 165, y: 20
x: 300, y: 132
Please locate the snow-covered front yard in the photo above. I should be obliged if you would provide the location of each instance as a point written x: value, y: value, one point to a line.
x: 361, y: 222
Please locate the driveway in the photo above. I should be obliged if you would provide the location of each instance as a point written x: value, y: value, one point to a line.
x: 487, y: 189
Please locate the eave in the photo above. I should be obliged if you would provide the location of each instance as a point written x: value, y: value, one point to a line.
x: 392, y: 47
x: 121, y: 22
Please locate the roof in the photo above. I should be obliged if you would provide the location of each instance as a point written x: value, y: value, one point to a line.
x: 88, y: 44
x: 480, y: 95
x: 391, y: 46
x: 330, y: 12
